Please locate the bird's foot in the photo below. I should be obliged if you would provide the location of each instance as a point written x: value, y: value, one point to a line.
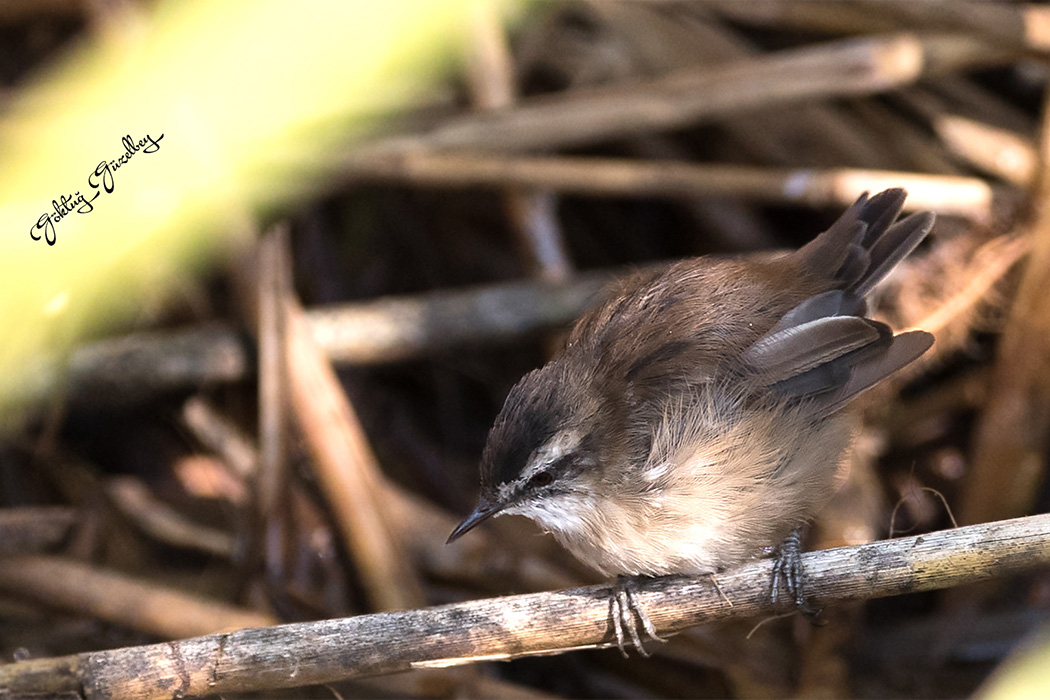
x: 788, y: 572
x: 623, y: 609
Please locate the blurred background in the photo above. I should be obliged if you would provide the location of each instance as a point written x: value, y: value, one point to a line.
x: 251, y: 385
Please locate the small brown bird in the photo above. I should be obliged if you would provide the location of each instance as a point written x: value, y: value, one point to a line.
x: 695, y: 418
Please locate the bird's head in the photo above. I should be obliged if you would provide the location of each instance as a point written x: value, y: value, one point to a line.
x: 543, y: 455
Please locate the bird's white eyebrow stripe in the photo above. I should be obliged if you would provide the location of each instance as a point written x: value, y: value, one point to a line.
x: 563, y: 443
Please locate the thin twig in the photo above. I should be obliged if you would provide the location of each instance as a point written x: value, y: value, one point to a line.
x: 662, y: 40
x: 910, y: 144
x: 992, y: 142
x: 219, y: 435
x: 986, y: 268
x: 159, y: 520
x: 273, y: 284
x: 994, y: 150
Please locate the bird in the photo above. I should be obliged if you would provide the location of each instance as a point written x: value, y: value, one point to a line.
x: 699, y: 415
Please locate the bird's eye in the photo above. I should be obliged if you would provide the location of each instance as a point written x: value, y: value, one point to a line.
x: 539, y: 479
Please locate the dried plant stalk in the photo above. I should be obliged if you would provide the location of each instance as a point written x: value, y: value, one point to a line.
x: 848, y: 67
x: 532, y: 214
x: 117, y: 598
x: 1013, y: 432
x: 968, y: 197
x: 346, y: 469
x: 29, y: 530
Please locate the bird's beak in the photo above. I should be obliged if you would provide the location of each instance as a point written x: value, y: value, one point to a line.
x: 483, y: 512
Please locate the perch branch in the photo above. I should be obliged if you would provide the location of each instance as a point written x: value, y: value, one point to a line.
x: 543, y: 623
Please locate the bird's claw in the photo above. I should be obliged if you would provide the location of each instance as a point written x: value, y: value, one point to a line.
x: 623, y: 609
x: 788, y: 572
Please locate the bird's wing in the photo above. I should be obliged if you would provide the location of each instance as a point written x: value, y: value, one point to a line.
x: 826, y: 358
x: 864, y: 244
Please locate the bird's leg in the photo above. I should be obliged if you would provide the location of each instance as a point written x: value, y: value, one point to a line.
x: 623, y: 608
x: 787, y: 571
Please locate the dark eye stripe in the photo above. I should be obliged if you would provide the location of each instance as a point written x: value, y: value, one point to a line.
x: 542, y: 478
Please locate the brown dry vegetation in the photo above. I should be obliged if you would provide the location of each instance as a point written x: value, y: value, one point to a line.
x: 293, y: 438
